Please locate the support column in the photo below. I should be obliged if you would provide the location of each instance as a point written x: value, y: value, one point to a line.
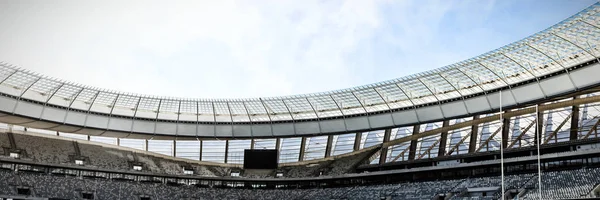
x: 200, y: 146
x: 329, y: 146
x: 302, y: 147
x: 540, y: 127
x: 174, y: 148
x: 413, y: 143
x: 226, y: 150
x: 278, y: 144
x: 574, y: 130
x: 278, y: 147
x: 118, y: 141
x: 443, y: 139
x: 252, y: 144
x: 505, y: 132
x: 473, y: 137
x: 357, y: 141
x: 386, y: 138
x: 146, y: 146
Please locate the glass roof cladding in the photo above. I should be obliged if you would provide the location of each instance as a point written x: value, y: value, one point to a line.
x: 569, y: 42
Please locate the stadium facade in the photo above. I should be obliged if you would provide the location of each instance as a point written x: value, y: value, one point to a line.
x: 542, y: 89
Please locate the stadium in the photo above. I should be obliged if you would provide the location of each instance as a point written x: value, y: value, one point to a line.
x: 518, y: 122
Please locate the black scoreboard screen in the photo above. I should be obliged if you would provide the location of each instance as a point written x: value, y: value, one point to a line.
x: 260, y: 159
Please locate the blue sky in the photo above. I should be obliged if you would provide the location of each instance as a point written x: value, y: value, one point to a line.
x: 229, y: 49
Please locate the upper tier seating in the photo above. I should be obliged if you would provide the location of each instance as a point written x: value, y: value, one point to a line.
x: 565, y: 184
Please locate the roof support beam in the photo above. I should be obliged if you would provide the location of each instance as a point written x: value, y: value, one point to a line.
x: 278, y: 147
x: 268, y: 115
x: 487, y: 141
x: 214, y: 118
x: 112, y: 108
x: 156, y: 117
x: 357, y: 140
x: 302, y: 149
x: 428, y: 150
x: 177, y: 124
x: 592, y: 130
x: 341, y: 111
x: 555, y: 132
x: 505, y: 131
x: 364, y: 108
x: 574, y: 130
x: 443, y: 139
x: 200, y: 150
x: 384, y: 150
x: 409, y: 99
x: 22, y: 93
x: 456, y: 89
x: 329, y: 146
x: 413, y: 143
x: 7, y: 77
x: 226, y: 150
x: 574, y: 44
x: 48, y: 99
x: 90, y: 107
x: 401, y: 154
x: 434, y: 95
x: 475, y: 82
x: 562, y: 104
x: 502, y: 78
x: 471, y: 78
x: 231, y: 118
x: 73, y: 98
x: 556, y: 61
x: 456, y: 146
x: 316, y: 113
x: 518, y: 139
x: 473, y: 135
x: 539, y: 133
x: 383, y: 99
x: 291, y: 115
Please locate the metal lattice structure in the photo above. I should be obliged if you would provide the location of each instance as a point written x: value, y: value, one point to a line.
x: 567, y: 43
x: 447, y: 111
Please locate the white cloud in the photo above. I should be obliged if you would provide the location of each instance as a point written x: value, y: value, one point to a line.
x: 234, y: 48
x: 278, y: 47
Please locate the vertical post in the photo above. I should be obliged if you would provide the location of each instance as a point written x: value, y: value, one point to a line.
x: 537, y: 133
x: 574, y: 130
x: 146, y: 145
x: 386, y: 138
x: 443, y: 139
x: 200, y: 149
x: 278, y: 147
x: 174, y: 148
x: 539, y: 125
x: 474, y: 134
x: 413, y: 143
x: 505, y: 131
x: 252, y: 143
x: 226, y: 150
x: 357, y: 141
x: 302, y: 148
x: 502, y: 145
x: 329, y: 146
x: 118, y: 141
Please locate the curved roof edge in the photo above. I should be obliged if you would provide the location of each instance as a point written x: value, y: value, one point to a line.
x: 537, y: 67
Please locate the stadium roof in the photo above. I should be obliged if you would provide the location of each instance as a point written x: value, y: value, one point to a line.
x: 568, y: 43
